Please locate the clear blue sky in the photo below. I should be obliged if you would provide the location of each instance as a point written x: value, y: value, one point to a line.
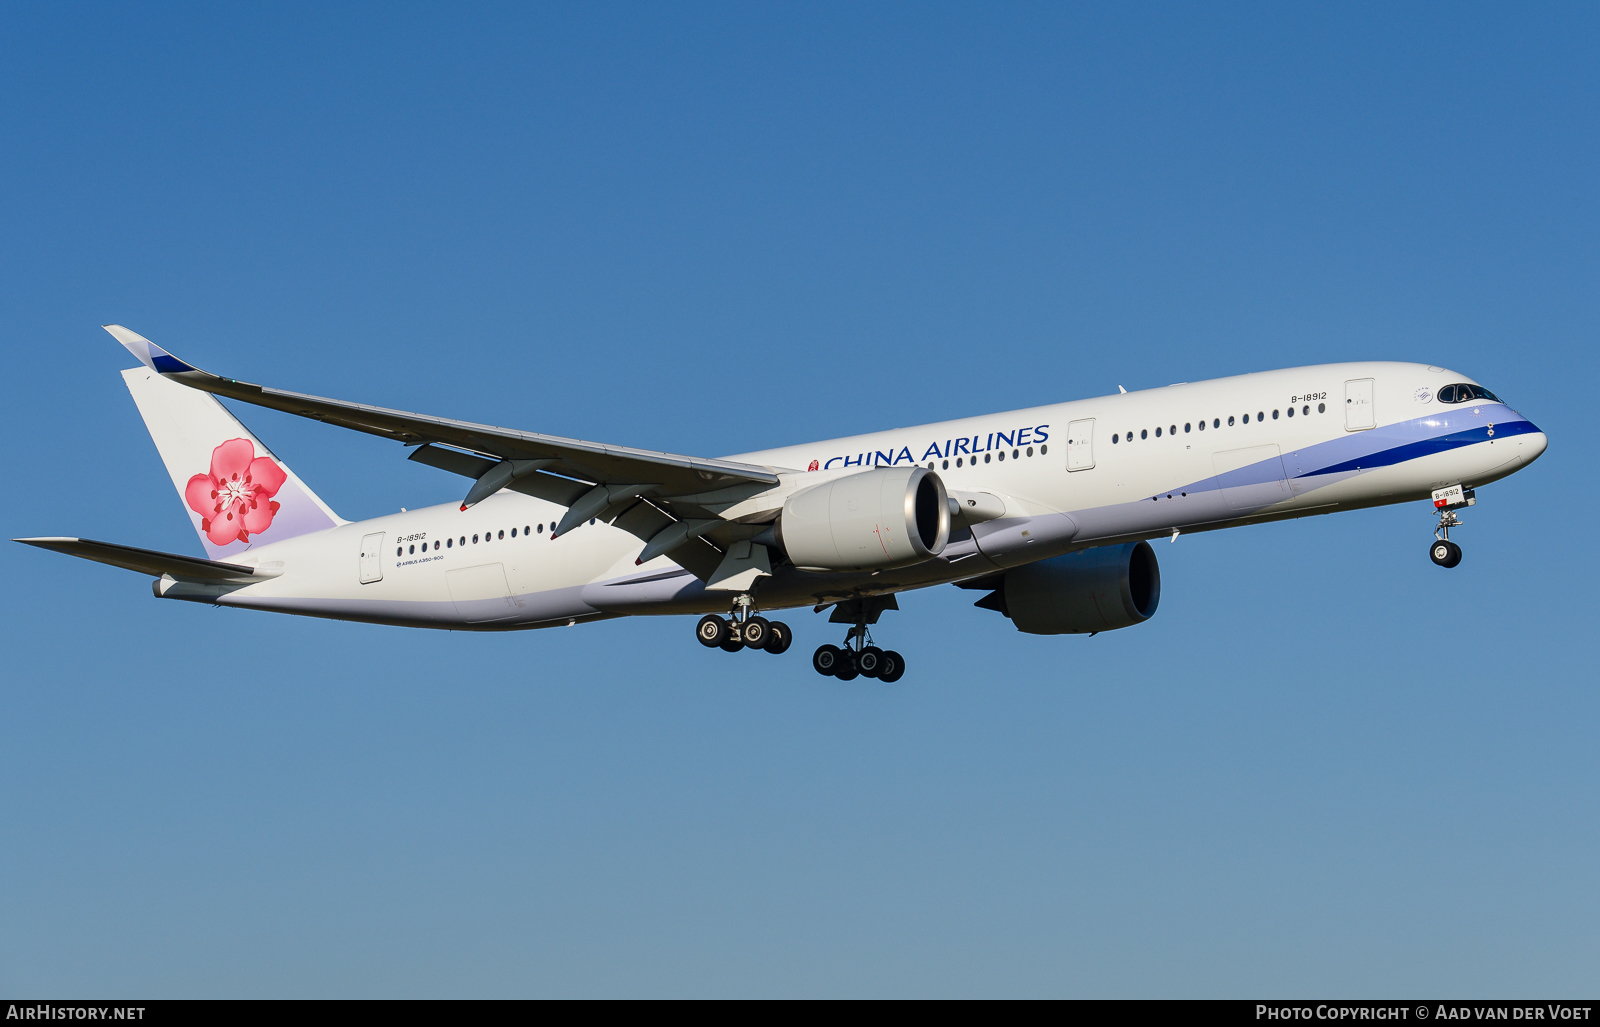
x: 1326, y: 767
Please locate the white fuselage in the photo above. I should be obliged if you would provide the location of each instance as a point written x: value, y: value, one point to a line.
x: 1361, y: 434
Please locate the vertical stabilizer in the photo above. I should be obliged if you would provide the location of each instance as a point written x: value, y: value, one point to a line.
x: 237, y: 493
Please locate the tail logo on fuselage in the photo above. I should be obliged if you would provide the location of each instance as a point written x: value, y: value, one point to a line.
x: 234, y: 499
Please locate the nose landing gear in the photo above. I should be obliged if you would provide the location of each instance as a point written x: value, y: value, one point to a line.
x: 743, y: 629
x: 1444, y: 552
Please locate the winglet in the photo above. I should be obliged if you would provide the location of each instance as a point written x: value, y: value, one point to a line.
x: 149, y: 354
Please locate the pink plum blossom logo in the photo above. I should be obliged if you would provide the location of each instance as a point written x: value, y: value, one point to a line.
x: 234, y: 501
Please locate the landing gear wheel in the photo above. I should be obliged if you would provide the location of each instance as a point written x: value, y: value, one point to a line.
x: 870, y: 661
x: 825, y: 659
x: 778, y: 637
x: 712, y: 631
x: 845, y: 667
x: 894, y: 665
x: 1445, y: 553
x: 754, y: 632
x: 733, y: 643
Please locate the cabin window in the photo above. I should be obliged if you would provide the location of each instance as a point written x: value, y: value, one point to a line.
x: 1261, y: 415
x: 463, y: 540
x: 944, y: 465
x: 399, y: 550
x: 1322, y: 408
x: 1043, y: 450
x: 1158, y: 433
x: 513, y: 532
x: 1115, y: 439
x: 1144, y: 433
x: 1230, y: 420
x: 1030, y: 450
x: 527, y: 530
x: 958, y: 461
x: 986, y: 458
x: 1290, y: 412
x: 502, y: 533
x: 1216, y: 422
x: 449, y: 542
x: 1186, y: 426
x: 474, y: 540
x: 541, y: 529
x: 1002, y: 456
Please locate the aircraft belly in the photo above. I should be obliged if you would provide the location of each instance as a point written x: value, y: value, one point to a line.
x: 537, y: 609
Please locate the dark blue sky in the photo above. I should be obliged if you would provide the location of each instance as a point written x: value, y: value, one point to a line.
x: 1326, y: 766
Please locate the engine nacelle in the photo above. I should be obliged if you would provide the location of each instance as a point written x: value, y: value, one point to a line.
x: 878, y: 519
x: 1091, y: 590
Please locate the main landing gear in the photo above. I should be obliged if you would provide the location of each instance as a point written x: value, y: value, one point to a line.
x: 743, y: 629
x: 859, y: 656
x: 1444, y: 552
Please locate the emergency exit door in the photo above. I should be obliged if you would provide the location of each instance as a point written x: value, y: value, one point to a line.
x: 1080, y: 445
x: 1359, y: 413
x: 372, y: 558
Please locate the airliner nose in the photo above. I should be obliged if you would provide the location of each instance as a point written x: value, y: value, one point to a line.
x: 1537, y: 443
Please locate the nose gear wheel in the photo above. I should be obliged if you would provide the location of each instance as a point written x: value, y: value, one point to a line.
x: 1444, y: 552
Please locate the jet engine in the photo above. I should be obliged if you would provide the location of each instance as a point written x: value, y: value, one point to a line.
x: 878, y: 519
x: 1090, y: 590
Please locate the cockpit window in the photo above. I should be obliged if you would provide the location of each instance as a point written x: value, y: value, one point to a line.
x: 1464, y: 393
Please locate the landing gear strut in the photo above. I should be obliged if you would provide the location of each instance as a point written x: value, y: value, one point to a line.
x: 859, y: 656
x: 743, y: 629
x: 1444, y: 552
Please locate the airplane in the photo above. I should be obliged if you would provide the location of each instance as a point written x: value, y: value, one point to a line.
x: 1049, y: 511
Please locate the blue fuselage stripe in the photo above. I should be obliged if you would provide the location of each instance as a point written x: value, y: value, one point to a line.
x: 1426, y: 447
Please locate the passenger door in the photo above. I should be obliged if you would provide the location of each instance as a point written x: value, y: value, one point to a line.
x: 371, y: 558
x: 1080, y: 445
x: 1359, y: 412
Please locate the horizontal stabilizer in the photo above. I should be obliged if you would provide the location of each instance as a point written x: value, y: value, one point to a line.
x: 149, y: 561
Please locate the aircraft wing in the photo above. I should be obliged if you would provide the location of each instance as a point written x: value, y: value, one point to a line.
x: 666, y: 474
x: 673, y: 503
